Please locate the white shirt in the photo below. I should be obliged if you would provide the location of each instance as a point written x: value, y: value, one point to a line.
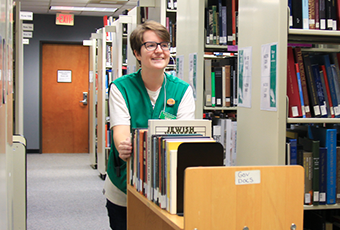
x: 121, y: 116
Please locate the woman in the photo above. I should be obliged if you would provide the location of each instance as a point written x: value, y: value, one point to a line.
x: 135, y: 98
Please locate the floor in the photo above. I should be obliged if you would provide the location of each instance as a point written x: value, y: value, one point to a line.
x: 64, y: 192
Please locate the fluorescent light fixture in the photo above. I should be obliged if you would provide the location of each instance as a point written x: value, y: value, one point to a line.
x: 75, y: 8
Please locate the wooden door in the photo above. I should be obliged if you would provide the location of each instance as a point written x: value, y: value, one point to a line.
x: 65, y: 69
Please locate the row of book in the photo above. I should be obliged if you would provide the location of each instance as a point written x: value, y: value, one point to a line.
x: 220, y: 82
x: 315, y: 148
x: 161, y: 153
x: 172, y: 4
x: 171, y: 27
x: 313, y: 84
x: 314, y: 14
x: 220, y: 22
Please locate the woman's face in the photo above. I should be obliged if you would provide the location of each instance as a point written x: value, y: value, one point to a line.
x: 156, y: 59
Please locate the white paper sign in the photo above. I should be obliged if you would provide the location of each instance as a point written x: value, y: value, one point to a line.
x: 193, y: 72
x: 248, y: 177
x: 269, y: 75
x: 27, y: 34
x: 244, y: 77
x: 179, y: 66
x: 64, y: 76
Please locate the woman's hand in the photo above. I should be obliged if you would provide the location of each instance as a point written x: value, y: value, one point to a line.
x: 125, y: 149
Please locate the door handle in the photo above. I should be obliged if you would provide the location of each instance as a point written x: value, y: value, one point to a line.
x: 84, y: 101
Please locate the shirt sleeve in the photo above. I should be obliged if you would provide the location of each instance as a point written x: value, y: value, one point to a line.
x: 119, y: 113
x: 186, y: 109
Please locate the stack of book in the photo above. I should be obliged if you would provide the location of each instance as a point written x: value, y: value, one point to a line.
x: 315, y: 148
x: 313, y: 86
x: 156, y: 162
x: 314, y: 14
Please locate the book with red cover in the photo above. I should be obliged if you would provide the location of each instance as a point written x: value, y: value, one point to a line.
x: 294, y: 104
x: 323, y: 68
x: 299, y: 60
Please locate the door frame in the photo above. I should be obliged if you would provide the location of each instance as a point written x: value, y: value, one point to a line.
x: 40, y: 82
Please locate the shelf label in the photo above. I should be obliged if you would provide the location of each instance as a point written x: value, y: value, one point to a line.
x: 247, y: 177
x: 25, y: 41
x: 27, y: 26
x: 26, y: 15
x: 179, y: 66
x: 27, y: 34
x: 193, y: 72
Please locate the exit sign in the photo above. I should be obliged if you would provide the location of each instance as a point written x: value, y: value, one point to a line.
x: 64, y: 19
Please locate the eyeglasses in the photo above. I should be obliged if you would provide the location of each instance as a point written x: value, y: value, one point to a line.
x: 151, y: 46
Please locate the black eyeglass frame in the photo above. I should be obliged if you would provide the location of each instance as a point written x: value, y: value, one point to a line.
x: 157, y: 44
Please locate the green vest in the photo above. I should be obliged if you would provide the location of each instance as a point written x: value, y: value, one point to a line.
x: 140, y: 108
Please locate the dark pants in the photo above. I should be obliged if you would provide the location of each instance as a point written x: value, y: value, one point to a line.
x: 117, y: 216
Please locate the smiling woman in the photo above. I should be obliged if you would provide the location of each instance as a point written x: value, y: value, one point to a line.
x: 136, y: 98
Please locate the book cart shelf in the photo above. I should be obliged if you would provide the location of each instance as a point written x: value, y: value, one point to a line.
x: 227, y: 200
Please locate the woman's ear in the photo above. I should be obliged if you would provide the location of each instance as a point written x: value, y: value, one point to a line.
x: 137, y: 55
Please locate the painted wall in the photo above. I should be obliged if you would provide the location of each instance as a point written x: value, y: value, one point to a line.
x: 46, y: 30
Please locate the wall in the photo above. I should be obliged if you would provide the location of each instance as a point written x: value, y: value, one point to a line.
x: 46, y: 30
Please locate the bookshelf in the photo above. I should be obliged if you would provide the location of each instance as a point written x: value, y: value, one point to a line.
x: 104, y: 60
x: 269, y: 147
x: 92, y: 99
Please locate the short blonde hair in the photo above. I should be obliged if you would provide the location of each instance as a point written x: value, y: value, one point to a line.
x: 136, y: 37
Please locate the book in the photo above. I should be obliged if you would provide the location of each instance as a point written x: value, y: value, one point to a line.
x: 323, y: 75
x: 300, y: 90
x: 297, y: 14
x: 319, y: 90
x: 307, y: 165
x: 331, y: 84
x: 292, y: 150
x: 294, y: 104
x: 213, y: 91
x: 229, y: 23
x: 338, y: 174
x: 322, y: 14
x: 195, y: 155
x: 314, y: 102
x: 322, y: 175
x: 171, y: 171
x: 161, y: 127
x: 207, y: 82
x: 218, y: 85
x: 305, y: 15
x: 299, y: 61
x: 313, y: 147
x: 327, y: 138
x: 311, y: 13
x: 227, y: 86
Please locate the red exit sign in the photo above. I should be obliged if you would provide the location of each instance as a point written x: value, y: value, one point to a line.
x: 64, y: 19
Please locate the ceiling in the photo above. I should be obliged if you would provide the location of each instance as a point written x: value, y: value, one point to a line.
x: 42, y: 6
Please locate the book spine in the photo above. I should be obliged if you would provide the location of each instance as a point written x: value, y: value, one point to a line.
x: 213, y: 97
x: 311, y: 86
x: 218, y: 85
x: 207, y: 82
x: 323, y: 74
x: 331, y: 85
x: 322, y: 175
x: 317, y: 14
x: 227, y: 86
x: 331, y: 166
x: 329, y: 17
x: 316, y: 171
x: 307, y: 165
x: 338, y: 174
x: 322, y: 14
x: 305, y: 15
x: 319, y: 90
x: 311, y: 13
x: 299, y: 60
x: 300, y: 90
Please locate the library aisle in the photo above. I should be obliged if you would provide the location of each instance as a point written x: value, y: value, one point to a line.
x: 64, y: 192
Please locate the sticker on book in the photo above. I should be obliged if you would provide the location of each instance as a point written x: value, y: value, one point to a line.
x: 247, y: 177
x: 269, y: 75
